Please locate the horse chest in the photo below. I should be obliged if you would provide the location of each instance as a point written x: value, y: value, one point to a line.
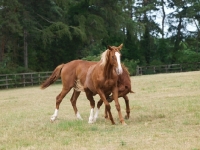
x: 108, y: 84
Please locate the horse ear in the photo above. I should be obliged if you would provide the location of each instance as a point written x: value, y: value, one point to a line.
x: 120, y: 47
x: 109, y: 47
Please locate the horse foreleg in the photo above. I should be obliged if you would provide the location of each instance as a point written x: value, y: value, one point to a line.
x: 107, y: 105
x: 127, y: 107
x: 73, y: 100
x: 89, y: 95
x: 115, y: 97
x: 100, y: 102
x: 59, y: 99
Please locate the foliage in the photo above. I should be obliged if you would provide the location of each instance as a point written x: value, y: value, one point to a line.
x: 7, y: 67
x: 92, y: 58
x: 187, y: 55
x: 59, y: 31
x: 131, y: 65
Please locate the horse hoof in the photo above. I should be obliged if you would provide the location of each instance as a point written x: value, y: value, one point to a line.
x: 124, y: 124
x: 126, y: 117
x: 79, y: 118
x: 53, y: 118
x: 90, y: 122
x: 113, y: 123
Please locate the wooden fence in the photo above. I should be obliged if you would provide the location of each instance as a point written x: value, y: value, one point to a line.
x: 171, y: 68
x: 23, y: 79
x: 36, y: 78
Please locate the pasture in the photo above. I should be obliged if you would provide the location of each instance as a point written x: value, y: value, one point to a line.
x: 165, y: 114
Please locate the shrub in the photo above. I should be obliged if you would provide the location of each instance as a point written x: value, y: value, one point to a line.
x: 131, y: 65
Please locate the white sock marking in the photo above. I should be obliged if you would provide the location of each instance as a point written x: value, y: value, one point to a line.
x: 54, y: 116
x: 79, y: 116
x: 96, y: 115
x: 91, y: 118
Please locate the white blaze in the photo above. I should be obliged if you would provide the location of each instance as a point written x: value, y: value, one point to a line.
x: 119, y: 68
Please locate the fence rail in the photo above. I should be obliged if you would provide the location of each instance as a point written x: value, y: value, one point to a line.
x: 36, y: 78
x: 23, y: 79
x: 142, y: 70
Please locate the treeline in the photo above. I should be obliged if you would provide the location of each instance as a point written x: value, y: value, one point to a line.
x: 38, y: 35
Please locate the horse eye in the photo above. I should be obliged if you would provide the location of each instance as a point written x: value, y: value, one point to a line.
x: 113, y: 57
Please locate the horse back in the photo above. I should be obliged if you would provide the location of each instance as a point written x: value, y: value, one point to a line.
x: 75, y: 70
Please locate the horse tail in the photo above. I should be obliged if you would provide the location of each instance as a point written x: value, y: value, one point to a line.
x: 54, y: 76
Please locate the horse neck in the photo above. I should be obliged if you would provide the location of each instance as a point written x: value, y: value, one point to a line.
x: 108, y: 70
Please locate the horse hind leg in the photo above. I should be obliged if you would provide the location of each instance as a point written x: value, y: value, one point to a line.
x: 59, y: 99
x: 73, y: 100
x: 127, y: 107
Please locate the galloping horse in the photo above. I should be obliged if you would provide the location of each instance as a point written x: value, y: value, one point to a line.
x: 102, y: 79
x: 75, y: 71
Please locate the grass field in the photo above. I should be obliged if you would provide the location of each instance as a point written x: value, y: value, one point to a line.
x: 165, y: 115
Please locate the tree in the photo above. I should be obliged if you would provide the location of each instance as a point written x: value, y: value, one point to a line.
x: 145, y: 16
x: 10, y: 26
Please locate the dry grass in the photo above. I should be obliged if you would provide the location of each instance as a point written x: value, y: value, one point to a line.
x: 165, y: 114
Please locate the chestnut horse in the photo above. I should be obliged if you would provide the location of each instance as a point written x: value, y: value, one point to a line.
x: 102, y: 79
x: 124, y: 87
x: 76, y: 71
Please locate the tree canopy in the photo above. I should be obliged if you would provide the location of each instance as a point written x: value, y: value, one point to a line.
x: 38, y: 35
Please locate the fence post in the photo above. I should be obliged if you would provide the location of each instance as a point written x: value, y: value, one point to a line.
x: 15, y: 81
x: 181, y: 68
x: 24, y: 80
x: 39, y: 78
x: 6, y: 81
x: 154, y: 69
x: 137, y: 70
x: 166, y: 68
x: 32, y: 78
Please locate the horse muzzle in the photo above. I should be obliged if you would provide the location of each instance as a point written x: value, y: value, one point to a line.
x: 119, y: 70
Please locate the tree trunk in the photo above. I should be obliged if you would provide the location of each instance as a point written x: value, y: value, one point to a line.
x: 2, y: 49
x: 198, y: 35
x: 178, y: 35
x: 163, y: 18
x: 25, y: 50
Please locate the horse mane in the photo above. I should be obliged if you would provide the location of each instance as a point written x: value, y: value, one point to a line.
x: 104, y: 58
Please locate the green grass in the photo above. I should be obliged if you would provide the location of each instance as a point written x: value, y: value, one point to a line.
x: 165, y: 114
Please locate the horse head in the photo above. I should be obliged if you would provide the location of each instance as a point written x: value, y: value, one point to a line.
x: 115, y: 58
